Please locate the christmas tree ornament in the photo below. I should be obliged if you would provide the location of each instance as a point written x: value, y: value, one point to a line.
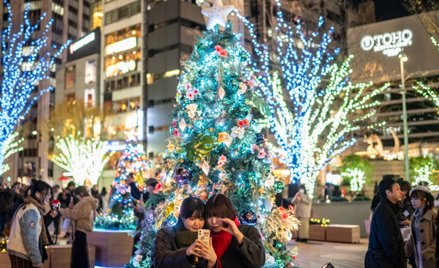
x: 217, y: 14
x: 248, y: 217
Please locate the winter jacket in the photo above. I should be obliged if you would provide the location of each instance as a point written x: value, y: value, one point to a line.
x: 168, y: 252
x: 302, y: 205
x: 82, y: 213
x: 251, y: 254
x: 427, y: 237
x: 386, y: 247
x: 25, y: 238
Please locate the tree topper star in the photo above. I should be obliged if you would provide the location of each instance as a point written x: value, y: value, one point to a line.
x: 217, y: 14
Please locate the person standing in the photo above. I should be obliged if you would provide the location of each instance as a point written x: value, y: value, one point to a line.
x: 28, y: 235
x: 302, y: 208
x: 422, y: 242
x: 82, y: 216
x: 386, y: 247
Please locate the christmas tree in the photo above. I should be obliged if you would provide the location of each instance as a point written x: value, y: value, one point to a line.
x: 217, y: 145
x: 132, y: 162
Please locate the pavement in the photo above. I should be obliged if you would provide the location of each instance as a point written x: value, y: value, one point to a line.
x: 315, y: 254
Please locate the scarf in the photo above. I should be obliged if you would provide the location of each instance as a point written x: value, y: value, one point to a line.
x: 221, y: 242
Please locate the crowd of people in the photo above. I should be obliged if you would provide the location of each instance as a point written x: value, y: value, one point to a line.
x: 404, y: 226
x: 35, y: 215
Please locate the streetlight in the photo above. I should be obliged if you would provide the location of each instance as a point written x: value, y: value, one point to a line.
x: 403, y: 58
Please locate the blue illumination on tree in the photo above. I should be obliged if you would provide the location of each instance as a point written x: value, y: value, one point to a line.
x: 26, y: 62
x: 315, y: 108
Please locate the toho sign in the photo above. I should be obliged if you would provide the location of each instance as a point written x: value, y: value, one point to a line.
x: 391, y: 44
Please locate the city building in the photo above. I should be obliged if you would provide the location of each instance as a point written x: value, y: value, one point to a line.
x: 71, y: 19
x: 143, y: 43
x: 377, y: 48
x: 78, y: 79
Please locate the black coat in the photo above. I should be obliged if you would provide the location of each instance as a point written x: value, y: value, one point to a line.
x: 386, y: 247
x: 251, y: 254
x: 168, y: 253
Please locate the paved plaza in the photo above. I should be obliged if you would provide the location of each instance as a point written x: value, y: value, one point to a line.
x: 314, y: 254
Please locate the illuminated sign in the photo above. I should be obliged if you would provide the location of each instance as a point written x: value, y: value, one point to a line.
x: 391, y: 44
x: 120, y: 67
x: 82, y: 42
x: 122, y: 45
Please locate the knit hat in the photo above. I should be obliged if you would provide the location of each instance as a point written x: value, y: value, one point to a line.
x: 385, y: 184
x: 421, y: 188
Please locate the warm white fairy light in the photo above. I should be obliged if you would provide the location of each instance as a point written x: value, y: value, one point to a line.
x: 82, y: 158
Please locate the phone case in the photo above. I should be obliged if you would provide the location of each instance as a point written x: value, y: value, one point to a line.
x: 204, y: 236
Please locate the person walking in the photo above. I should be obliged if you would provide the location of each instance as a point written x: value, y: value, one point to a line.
x: 422, y: 242
x: 386, y: 247
x: 28, y: 235
x: 81, y: 214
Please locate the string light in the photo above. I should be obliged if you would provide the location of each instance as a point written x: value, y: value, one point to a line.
x: 12, y: 145
x: 314, y: 121
x: 120, y: 214
x: 427, y: 92
x: 84, y: 159
x: 23, y: 69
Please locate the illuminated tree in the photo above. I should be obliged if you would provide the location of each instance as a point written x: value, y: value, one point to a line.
x: 12, y: 145
x: 26, y: 61
x: 84, y: 159
x: 315, y: 109
x: 217, y: 145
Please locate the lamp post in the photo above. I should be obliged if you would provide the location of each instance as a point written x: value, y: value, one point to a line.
x: 403, y: 58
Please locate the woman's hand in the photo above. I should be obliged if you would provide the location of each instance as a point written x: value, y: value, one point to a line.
x: 53, y: 213
x: 230, y: 227
x: 208, y: 253
x: 195, y: 249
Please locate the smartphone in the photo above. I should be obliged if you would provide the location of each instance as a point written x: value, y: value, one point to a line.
x: 204, y: 236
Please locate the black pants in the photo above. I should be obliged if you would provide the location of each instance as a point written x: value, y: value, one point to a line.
x: 80, y: 251
x: 17, y: 262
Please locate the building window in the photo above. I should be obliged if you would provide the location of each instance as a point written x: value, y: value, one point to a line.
x: 126, y: 105
x: 70, y: 77
x: 90, y: 72
x: 70, y: 98
x: 127, y: 81
x: 122, y: 12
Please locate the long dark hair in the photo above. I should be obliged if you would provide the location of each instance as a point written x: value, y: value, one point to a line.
x: 40, y: 187
x: 220, y: 206
x: 190, y: 207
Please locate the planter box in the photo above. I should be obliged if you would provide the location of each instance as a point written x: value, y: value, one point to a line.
x: 113, y: 248
x: 343, y: 233
x: 59, y: 256
x: 317, y: 232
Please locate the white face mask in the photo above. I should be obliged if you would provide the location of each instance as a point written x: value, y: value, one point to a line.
x: 302, y: 191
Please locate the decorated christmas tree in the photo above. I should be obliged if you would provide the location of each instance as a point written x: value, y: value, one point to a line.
x: 217, y: 145
x: 132, y: 162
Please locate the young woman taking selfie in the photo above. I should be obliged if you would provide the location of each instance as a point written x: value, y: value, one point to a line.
x: 178, y: 246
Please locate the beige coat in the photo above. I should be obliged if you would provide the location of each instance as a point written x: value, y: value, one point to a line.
x: 427, y: 238
x: 82, y: 213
